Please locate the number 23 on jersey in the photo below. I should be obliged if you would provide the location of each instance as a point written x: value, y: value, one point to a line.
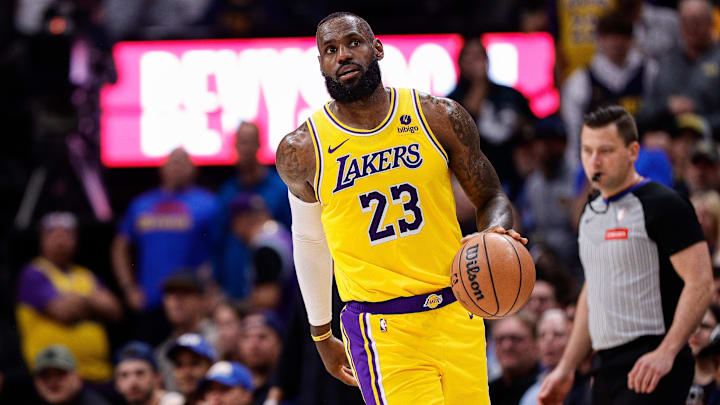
x: 376, y: 202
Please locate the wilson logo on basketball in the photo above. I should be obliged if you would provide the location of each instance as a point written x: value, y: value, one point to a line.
x: 433, y: 300
x: 472, y: 269
x: 616, y: 234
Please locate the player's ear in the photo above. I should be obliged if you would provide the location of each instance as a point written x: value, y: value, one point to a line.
x: 379, y: 51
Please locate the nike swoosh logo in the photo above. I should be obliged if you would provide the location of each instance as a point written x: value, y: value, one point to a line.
x: 331, y: 149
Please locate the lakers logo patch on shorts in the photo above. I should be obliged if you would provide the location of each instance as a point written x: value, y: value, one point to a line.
x: 432, y: 301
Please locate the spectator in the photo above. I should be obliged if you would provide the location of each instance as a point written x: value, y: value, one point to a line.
x: 186, y: 311
x: 687, y: 77
x: 516, y: 351
x: 252, y: 177
x: 137, y: 378
x: 656, y: 30
x: 617, y: 74
x: 62, y: 302
x: 703, y: 173
x: 553, y: 332
x: 227, y: 383
x: 228, y: 317
x: 499, y: 111
x: 707, y: 207
x: 191, y: 358
x: 57, y: 380
x: 169, y: 228
x: 542, y: 298
x: 705, y: 365
x: 690, y: 129
x: 260, y: 348
x: 269, y: 245
x: 549, y: 192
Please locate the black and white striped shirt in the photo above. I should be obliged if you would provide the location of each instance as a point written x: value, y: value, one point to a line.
x: 625, y: 247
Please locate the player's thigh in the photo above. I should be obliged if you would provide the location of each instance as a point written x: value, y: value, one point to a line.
x: 388, y: 357
x: 464, y: 366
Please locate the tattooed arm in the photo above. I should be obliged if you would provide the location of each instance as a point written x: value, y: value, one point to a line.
x: 295, y: 162
x: 457, y: 132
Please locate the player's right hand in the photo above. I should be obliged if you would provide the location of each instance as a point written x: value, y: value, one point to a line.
x: 332, y: 353
x: 555, y: 386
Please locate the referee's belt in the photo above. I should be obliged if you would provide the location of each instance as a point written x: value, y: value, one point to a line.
x: 405, y: 305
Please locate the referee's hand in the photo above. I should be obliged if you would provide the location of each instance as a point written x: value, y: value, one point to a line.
x: 648, y: 370
x: 555, y: 386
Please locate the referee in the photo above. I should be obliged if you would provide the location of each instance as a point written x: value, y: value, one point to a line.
x: 648, y: 277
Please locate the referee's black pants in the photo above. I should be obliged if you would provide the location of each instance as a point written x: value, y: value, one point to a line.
x: 611, y: 368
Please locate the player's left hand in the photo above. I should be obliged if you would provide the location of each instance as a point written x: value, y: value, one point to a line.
x: 499, y: 229
x: 648, y: 370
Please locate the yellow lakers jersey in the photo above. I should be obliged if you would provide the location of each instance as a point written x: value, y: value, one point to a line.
x: 388, y: 208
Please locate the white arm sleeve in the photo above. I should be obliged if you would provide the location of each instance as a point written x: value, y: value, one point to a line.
x: 313, y: 262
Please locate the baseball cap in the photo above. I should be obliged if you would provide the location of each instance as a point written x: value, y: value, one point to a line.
x: 230, y: 374
x: 59, y: 219
x: 550, y: 127
x: 136, y: 350
x: 693, y: 123
x: 705, y: 151
x: 246, y: 203
x: 184, y: 279
x: 195, y: 343
x: 55, y: 356
x: 266, y: 318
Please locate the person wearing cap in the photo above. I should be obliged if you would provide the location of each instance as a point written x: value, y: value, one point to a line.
x: 59, y: 301
x: 269, y: 245
x: 227, y: 383
x: 190, y: 358
x: 703, y: 173
x: 57, y: 381
x: 252, y: 177
x: 260, y: 348
x: 186, y: 310
x: 137, y: 378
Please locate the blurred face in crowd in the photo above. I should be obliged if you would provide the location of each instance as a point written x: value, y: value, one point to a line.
x: 515, y: 346
x: 189, y: 369
x: 219, y: 394
x: 247, y: 144
x: 701, y: 337
x: 58, y: 244
x: 615, y: 47
x: 550, y: 152
x: 57, y: 386
x: 474, y: 61
x: 136, y: 381
x: 178, y: 171
x: 606, y: 157
x: 260, y: 345
x: 183, y: 308
x: 703, y: 175
x: 696, y: 24
x: 553, y: 332
x: 229, y: 330
x: 681, y: 147
x: 542, y: 298
x: 707, y: 208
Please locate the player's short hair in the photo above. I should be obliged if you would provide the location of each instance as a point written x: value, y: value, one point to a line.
x: 339, y: 14
x: 613, y: 114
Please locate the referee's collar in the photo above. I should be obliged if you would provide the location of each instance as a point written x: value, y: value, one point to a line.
x: 626, y: 191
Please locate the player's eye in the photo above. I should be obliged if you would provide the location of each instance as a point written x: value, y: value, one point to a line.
x: 330, y: 49
x: 354, y: 42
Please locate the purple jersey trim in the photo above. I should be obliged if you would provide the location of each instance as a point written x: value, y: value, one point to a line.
x: 404, y: 305
x: 35, y: 288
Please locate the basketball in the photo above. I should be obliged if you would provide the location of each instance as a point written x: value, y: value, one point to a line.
x: 492, y: 275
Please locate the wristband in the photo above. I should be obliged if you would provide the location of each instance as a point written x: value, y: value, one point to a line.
x: 322, y: 337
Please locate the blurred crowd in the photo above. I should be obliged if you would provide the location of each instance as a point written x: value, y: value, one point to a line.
x: 176, y: 286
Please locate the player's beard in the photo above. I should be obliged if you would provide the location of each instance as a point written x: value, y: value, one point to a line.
x: 360, y: 89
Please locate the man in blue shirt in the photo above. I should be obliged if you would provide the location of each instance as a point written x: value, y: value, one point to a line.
x: 169, y: 228
x: 253, y: 178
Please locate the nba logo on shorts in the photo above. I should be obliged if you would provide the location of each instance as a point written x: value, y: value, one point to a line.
x: 383, y: 325
x: 433, y: 300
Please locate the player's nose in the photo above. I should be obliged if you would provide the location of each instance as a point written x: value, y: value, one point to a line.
x: 344, y: 54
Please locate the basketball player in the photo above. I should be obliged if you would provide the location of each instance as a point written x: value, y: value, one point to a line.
x: 648, y: 277
x: 369, y: 179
